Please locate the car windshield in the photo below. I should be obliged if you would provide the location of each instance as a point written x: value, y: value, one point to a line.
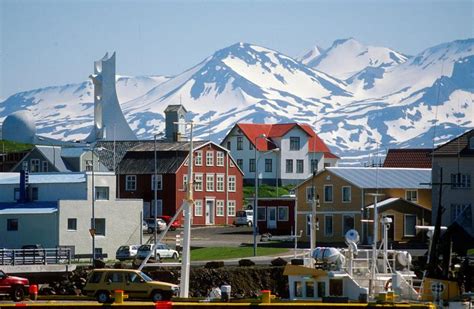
x: 241, y: 214
x: 145, y: 277
x: 123, y: 248
x: 144, y: 248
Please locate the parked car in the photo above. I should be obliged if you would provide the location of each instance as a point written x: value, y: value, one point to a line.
x: 167, y: 219
x: 126, y: 252
x: 151, y: 225
x: 162, y: 251
x: 144, y: 227
x: 243, y: 217
x: 103, y: 282
x: 16, y: 287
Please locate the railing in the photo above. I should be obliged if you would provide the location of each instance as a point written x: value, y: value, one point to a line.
x: 35, y: 256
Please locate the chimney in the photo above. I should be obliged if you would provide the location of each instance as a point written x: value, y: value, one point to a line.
x: 173, y: 114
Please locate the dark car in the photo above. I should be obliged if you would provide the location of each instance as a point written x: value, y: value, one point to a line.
x: 16, y: 287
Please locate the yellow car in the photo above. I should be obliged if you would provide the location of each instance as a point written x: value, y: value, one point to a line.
x: 103, y: 282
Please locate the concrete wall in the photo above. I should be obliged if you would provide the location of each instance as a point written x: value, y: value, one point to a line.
x: 32, y: 229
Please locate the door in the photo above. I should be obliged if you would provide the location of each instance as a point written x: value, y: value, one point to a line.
x: 209, y: 211
x: 271, y: 218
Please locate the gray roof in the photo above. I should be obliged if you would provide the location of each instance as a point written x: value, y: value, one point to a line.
x: 28, y: 208
x: 53, y: 155
x: 174, y: 108
x: 37, y: 178
x: 163, y: 145
x: 106, y: 157
x: 167, y: 162
x: 385, y: 178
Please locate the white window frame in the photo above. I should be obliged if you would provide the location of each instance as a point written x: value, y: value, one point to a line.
x: 185, y: 182
x: 97, y: 189
x: 332, y: 194
x: 231, y: 183
x: 405, y: 225
x: 36, y: 163
x: 287, y: 209
x: 210, y: 158
x: 220, y: 208
x: 350, y: 194
x: 220, y: 155
x: 231, y: 208
x: 198, y: 158
x: 129, y: 180
x: 159, y: 177
x: 210, y: 182
x: 198, y: 208
x: 198, y: 182
x: 220, y: 182
x: 408, y: 195
x: 332, y: 227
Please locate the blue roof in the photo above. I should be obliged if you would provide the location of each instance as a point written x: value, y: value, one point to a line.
x: 385, y: 177
x: 38, y: 178
x: 28, y: 208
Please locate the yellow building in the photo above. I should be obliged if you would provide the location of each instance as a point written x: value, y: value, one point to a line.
x: 344, y: 196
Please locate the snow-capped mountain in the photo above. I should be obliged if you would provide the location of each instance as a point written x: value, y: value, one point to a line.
x: 346, y: 58
x: 391, y: 100
x: 311, y: 55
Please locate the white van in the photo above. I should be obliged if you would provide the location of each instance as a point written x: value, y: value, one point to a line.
x: 244, y: 217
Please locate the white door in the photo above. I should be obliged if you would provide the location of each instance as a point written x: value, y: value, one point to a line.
x: 209, y: 211
x: 271, y: 218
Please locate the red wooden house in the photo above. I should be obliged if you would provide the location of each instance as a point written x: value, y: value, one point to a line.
x: 218, y: 183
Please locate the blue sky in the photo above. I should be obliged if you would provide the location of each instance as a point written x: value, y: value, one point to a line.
x: 54, y: 42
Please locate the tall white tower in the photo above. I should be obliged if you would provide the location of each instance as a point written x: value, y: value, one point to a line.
x: 109, y: 122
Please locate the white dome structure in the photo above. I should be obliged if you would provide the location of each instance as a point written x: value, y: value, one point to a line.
x: 19, y: 127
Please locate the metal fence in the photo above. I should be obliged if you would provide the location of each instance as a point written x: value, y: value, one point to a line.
x: 35, y: 256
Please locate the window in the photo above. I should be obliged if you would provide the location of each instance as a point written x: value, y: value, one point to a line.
x: 314, y: 165
x: 114, y: 277
x: 130, y: 182
x: 220, y: 158
x: 328, y: 226
x: 346, y: 194
x: 347, y: 223
x: 240, y: 163
x: 283, y: 213
x: 198, y: 208
x: 89, y: 165
x: 99, y: 226
x: 289, y: 165
x: 158, y: 182
x: 102, y: 193
x: 220, y: 178
x: 294, y: 143
x: 321, y: 289
x: 44, y: 166
x: 12, y: 224
x: 309, y: 289
x: 219, y: 208
x: 198, y: 158
x: 252, y: 165
x: 209, y: 158
x: 411, y: 195
x: 34, y: 193
x: 240, y: 142
x: 299, y: 166
x: 462, y: 212
x: 231, y: 184
x: 198, y: 182
x: 96, y: 276
x: 72, y: 224
x: 210, y: 182
x: 261, y: 214
x: 327, y: 165
x: 231, y: 208
x: 228, y: 145
x: 410, y: 223
x: 185, y: 182
x: 298, y: 289
x: 34, y: 165
x: 268, y: 165
x: 250, y: 145
x: 309, y: 194
x: 460, y: 181
x: 328, y: 194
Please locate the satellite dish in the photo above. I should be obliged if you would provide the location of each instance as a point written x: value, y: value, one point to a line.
x: 404, y: 258
x: 352, y: 236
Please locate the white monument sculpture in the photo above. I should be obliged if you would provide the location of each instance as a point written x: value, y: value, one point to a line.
x: 109, y: 122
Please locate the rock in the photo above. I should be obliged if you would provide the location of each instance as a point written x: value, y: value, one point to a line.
x: 279, y: 262
x: 246, y: 262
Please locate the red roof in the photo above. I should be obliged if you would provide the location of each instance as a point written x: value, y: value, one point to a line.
x: 408, y: 158
x: 252, y: 131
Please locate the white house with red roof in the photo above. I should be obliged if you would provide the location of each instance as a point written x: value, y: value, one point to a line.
x: 287, y: 153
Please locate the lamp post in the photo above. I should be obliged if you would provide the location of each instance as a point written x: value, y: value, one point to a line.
x: 155, y: 195
x: 255, y: 225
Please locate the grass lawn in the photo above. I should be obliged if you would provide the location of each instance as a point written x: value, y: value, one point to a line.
x: 265, y: 190
x: 8, y: 146
x: 222, y: 253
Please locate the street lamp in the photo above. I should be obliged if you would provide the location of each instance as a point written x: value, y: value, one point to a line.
x: 155, y: 192
x: 256, y: 190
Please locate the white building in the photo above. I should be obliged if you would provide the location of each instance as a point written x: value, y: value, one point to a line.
x: 60, y: 210
x: 286, y: 153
